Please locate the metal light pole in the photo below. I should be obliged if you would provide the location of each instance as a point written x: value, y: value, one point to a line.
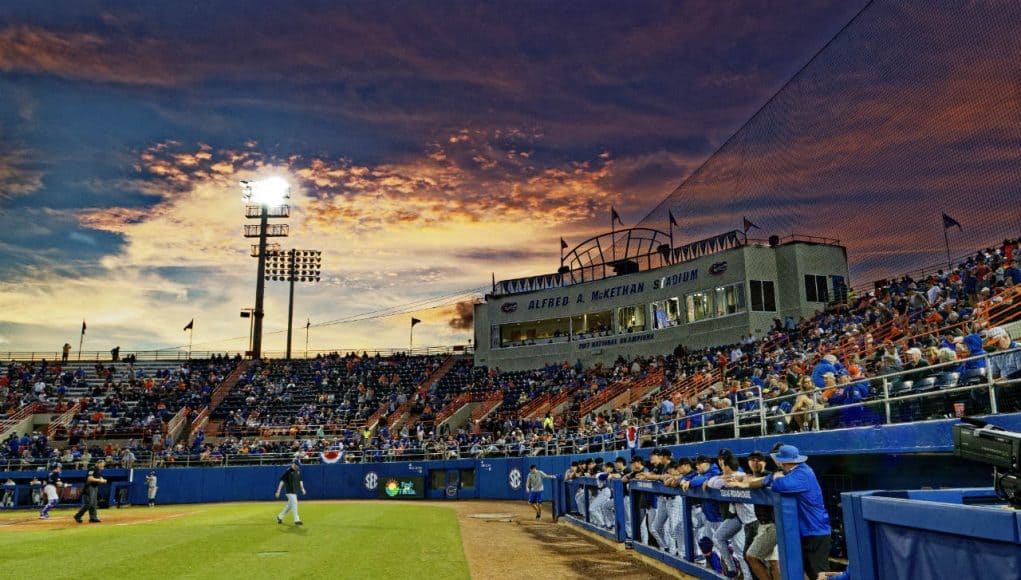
x: 260, y: 285
x: 264, y: 199
x: 247, y: 313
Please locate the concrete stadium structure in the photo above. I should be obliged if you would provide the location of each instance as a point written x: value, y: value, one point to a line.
x: 651, y: 299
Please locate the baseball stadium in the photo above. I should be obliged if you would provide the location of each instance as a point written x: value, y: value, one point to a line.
x: 783, y: 345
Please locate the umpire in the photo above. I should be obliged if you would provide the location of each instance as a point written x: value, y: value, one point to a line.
x: 90, y: 496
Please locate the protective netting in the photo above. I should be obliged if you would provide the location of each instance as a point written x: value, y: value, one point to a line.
x: 913, y: 109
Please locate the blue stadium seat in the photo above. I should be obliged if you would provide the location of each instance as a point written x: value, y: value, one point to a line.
x: 949, y: 380
x: 974, y: 376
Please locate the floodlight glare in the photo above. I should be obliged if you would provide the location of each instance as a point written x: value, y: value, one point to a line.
x: 269, y: 192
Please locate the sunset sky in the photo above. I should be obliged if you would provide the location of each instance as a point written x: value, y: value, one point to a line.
x: 432, y: 144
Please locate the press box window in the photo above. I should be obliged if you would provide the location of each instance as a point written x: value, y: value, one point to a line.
x: 763, y: 295
x: 631, y: 318
x: 815, y: 289
x: 666, y: 313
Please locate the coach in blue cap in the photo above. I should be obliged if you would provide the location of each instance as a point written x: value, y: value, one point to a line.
x: 797, y: 479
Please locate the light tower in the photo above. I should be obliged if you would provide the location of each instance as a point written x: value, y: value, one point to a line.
x: 263, y: 200
x: 294, y: 266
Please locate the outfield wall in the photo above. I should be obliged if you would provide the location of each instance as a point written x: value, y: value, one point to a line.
x: 882, y: 457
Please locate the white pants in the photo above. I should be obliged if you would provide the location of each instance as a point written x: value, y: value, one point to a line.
x: 675, y: 523
x: 601, y: 507
x: 658, y: 527
x: 731, y: 530
x: 292, y: 506
x: 51, y: 492
x: 579, y: 500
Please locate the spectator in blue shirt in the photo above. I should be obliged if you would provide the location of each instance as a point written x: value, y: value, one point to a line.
x: 1008, y: 364
x: 972, y: 347
x: 797, y: 479
x: 1013, y: 273
x: 1004, y: 366
x: 828, y: 364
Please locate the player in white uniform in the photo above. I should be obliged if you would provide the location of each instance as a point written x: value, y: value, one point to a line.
x: 150, y: 482
x: 50, y: 491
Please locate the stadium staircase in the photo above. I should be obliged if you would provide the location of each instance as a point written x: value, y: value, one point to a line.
x: 623, y: 390
x: 64, y: 419
x: 638, y: 391
x: 535, y: 407
x: 16, y: 421
x: 488, y: 406
x: 403, y: 412
x: 220, y: 393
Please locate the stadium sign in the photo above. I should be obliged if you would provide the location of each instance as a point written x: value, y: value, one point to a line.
x: 718, y: 268
x: 509, y: 307
x: 640, y: 485
x: 371, y: 481
x: 514, y: 478
x: 615, y: 340
x: 674, y: 279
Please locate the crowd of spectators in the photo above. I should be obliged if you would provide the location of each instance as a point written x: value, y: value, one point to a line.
x: 792, y: 375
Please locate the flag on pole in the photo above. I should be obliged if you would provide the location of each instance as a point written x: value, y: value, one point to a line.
x: 615, y: 217
x: 949, y: 222
x: 673, y: 221
x: 190, y: 325
x: 308, y: 323
x: 83, y: 328
x: 563, y: 244
x: 414, y: 321
x: 749, y: 225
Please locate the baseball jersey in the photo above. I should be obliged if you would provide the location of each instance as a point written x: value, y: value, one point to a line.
x: 93, y: 472
x: 151, y: 480
x: 53, y: 478
x: 292, y: 480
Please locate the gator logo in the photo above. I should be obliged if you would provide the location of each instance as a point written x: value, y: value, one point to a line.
x: 718, y: 268
x: 509, y: 307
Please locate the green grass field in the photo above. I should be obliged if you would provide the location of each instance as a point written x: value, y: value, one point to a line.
x: 338, y: 540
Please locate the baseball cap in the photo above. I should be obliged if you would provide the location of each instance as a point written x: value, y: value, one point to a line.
x: 757, y: 455
x: 702, y: 459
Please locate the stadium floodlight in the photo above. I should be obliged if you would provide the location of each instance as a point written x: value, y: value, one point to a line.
x: 294, y: 266
x: 269, y: 192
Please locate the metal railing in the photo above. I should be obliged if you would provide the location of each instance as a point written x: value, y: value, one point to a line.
x: 178, y: 354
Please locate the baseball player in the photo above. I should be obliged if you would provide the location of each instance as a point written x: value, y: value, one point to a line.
x: 150, y: 482
x: 290, y: 482
x: 534, y: 488
x: 53, y: 482
x: 602, y: 507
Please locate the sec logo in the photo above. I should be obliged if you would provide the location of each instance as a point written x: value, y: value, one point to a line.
x: 514, y: 478
x: 371, y: 481
x: 509, y: 307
